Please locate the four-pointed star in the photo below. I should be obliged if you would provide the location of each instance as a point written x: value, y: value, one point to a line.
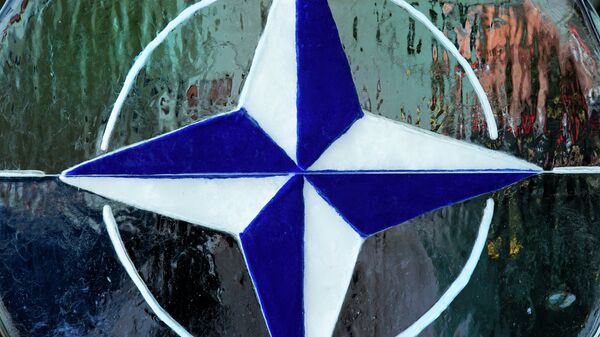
x: 299, y: 174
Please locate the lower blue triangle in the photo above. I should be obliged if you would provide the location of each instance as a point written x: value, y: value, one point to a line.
x: 374, y: 202
x: 274, y: 248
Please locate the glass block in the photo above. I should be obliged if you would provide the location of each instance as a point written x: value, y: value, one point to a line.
x: 298, y: 168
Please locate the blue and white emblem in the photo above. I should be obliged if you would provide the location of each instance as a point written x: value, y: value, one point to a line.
x: 299, y: 174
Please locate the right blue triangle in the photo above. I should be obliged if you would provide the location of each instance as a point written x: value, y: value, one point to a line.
x: 327, y: 101
x: 373, y: 202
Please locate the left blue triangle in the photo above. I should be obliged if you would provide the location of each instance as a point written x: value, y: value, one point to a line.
x: 274, y: 248
x: 231, y: 143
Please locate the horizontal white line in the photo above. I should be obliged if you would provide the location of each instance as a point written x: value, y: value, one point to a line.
x: 576, y: 170
x: 304, y: 173
x: 22, y: 173
x: 557, y: 170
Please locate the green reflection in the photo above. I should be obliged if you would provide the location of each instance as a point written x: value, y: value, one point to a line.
x: 64, y: 62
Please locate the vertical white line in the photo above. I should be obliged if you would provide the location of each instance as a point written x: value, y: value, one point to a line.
x: 483, y: 100
x: 115, y: 238
x: 139, y: 63
x: 461, y: 281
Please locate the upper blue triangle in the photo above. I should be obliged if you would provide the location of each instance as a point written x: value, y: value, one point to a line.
x: 274, y: 248
x: 327, y: 101
x: 230, y: 143
x: 373, y: 202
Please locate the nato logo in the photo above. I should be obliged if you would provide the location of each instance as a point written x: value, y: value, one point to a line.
x: 299, y: 174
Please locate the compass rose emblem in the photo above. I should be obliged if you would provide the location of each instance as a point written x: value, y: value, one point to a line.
x: 298, y: 173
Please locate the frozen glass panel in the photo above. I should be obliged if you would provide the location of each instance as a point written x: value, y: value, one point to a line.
x: 62, y: 64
